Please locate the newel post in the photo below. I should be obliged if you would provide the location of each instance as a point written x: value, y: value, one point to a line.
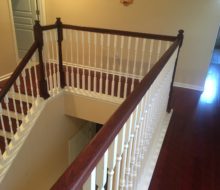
x: 38, y: 35
x: 60, y: 56
x: 180, y: 37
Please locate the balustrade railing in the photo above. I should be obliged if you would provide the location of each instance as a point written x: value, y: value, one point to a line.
x: 18, y: 97
x: 137, y: 67
x: 114, y: 158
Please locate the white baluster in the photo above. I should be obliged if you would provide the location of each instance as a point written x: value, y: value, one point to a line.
x: 114, y: 65
x: 91, y: 181
x: 45, y: 69
x: 101, y: 63
x: 89, y: 59
x: 150, y: 55
x: 139, y: 134
x: 127, y: 67
x: 67, y: 51
x: 134, y: 132
x: 47, y: 59
x: 77, y: 60
x: 3, y: 126
x: 53, y: 61
x: 71, y: 57
x: 31, y: 81
x: 112, y: 162
x: 142, y: 57
x: 95, y: 60
x: 36, y: 81
x: 130, y: 145
x: 18, y: 84
x: 57, y: 60
x: 158, y: 49
x: 120, y: 148
x: 101, y: 172
x: 8, y: 115
x: 125, y: 159
x: 120, y: 69
x: 83, y: 60
x: 107, y: 68
x: 15, y: 106
x: 23, y: 75
x: 123, y: 167
x: 135, y: 62
x: 144, y: 128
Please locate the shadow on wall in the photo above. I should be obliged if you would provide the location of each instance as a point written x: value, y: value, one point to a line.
x: 217, y: 43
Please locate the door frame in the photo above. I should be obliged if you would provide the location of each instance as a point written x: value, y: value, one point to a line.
x: 43, y: 21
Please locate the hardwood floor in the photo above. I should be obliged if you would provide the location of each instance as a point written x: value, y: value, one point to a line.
x: 190, y: 155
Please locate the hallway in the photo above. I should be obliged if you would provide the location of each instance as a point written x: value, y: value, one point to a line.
x: 190, y: 156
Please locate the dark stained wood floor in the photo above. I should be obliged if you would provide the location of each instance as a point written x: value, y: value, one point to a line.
x: 190, y: 155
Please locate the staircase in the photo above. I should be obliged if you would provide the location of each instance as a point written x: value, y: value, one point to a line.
x: 133, y: 69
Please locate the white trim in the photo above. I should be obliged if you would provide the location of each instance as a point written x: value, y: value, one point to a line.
x: 189, y: 86
x: 12, y: 114
x: 5, y: 77
x: 93, y: 95
x: 42, y: 7
x: 6, y: 133
x: 13, y: 31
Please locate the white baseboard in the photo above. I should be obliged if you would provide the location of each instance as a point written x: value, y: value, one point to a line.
x: 189, y: 86
x: 4, y: 77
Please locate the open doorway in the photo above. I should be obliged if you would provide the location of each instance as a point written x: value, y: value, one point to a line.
x: 23, y: 15
x: 212, y: 83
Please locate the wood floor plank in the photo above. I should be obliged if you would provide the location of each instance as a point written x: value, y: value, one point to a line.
x: 190, y: 155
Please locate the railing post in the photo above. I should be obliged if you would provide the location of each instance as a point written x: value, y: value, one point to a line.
x: 60, y: 56
x: 38, y: 35
x: 180, y: 37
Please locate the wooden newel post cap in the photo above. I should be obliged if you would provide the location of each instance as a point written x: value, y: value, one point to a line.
x: 180, y: 32
x: 37, y: 24
x: 58, y: 21
x: 181, y: 36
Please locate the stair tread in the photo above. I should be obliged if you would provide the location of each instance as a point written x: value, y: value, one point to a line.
x: 2, y: 143
x: 7, y: 125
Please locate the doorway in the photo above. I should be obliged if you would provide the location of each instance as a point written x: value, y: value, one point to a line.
x: 212, y: 84
x: 23, y: 15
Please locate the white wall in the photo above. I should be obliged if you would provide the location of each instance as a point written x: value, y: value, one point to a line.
x: 199, y: 18
x: 89, y: 108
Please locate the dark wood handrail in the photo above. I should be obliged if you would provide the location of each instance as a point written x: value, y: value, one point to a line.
x: 49, y: 27
x: 120, y: 32
x: 78, y: 172
x: 18, y: 70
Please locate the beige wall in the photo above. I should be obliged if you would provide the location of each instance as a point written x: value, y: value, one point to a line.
x: 7, y: 51
x: 90, y: 109
x: 199, y: 18
x: 44, y: 155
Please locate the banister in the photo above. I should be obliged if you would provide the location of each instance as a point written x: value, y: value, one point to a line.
x: 59, y: 26
x: 38, y: 35
x: 18, y: 70
x: 180, y: 36
x: 78, y: 172
x: 120, y: 32
x: 49, y: 27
